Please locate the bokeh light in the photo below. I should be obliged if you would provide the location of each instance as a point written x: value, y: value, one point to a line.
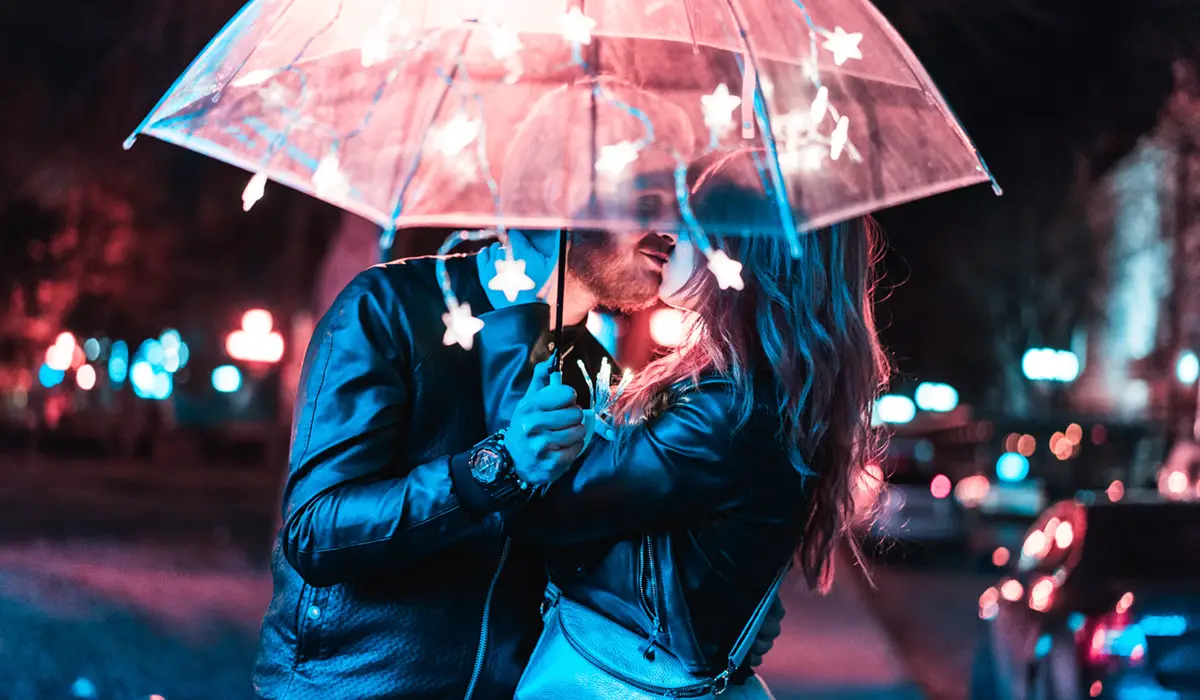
x: 85, y: 377
x: 118, y: 362
x: 1187, y: 368
x: 227, y: 379
x: 257, y: 322
x: 893, y: 408
x: 1012, y: 467
x: 940, y: 486
x: 932, y: 396
x: 668, y: 327
x: 49, y: 376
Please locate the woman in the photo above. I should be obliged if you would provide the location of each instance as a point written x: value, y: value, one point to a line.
x: 733, y: 454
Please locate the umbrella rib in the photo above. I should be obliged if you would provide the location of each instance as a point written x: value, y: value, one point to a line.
x: 687, y: 13
x: 760, y: 109
x: 412, y: 171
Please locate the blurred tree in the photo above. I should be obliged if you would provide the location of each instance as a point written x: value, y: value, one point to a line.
x: 97, y: 239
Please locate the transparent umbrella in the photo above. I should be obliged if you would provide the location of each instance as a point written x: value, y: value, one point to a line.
x: 566, y: 114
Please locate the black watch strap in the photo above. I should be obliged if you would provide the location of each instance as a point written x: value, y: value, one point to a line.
x: 492, y: 468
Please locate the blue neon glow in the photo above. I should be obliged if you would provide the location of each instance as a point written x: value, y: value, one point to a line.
x: 1012, y: 467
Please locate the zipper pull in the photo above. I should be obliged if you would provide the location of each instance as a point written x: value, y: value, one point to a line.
x: 648, y: 649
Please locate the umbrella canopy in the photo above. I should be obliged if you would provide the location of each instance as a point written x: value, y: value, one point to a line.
x: 559, y: 113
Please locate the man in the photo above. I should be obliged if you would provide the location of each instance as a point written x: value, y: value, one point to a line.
x: 392, y: 574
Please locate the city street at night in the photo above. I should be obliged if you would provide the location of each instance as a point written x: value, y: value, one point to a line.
x: 550, y: 349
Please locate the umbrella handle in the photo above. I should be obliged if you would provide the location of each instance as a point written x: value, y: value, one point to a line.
x: 556, y: 361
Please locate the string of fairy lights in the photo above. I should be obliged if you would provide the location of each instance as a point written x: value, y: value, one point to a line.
x: 796, y: 141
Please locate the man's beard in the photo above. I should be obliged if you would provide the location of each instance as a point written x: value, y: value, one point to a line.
x: 619, y: 282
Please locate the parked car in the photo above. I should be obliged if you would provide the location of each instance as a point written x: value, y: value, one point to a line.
x: 1179, y: 477
x: 1103, y: 602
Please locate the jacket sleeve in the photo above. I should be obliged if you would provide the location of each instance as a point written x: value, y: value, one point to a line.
x: 351, y: 507
x: 672, y: 465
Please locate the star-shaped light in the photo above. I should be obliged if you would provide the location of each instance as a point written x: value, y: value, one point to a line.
x: 803, y: 159
x: 577, y: 27
x: 727, y: 270
x: 254, y: 190
x: 792, y: 128
x: 329, y: 180
x: 377, y: 44
x: 461, y: 326
x: 718, y: 108
x: 516, y: 70
x: 616, y: 157
x: 375, y: 49
x: 820, y: 105
x: 837, y: 140
x: 510, y: 278
x: 254, y: 77
x: 505, y: 43
x: 457, y: 134
x: 843, y: 45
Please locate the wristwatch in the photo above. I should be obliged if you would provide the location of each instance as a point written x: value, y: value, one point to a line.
x: 492, y: 467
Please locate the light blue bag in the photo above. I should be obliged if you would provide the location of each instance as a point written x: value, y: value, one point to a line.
x: 584, y: 655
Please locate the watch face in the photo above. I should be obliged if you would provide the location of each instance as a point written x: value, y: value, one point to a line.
x: 485, y: 465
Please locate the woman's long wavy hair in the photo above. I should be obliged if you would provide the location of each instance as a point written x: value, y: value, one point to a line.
x: 807, y: 318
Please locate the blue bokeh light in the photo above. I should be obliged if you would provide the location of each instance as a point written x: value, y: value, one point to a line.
x: 1012, y: 467
x: 118, y: 362
x: 227, y: 379
x: 49, y: 377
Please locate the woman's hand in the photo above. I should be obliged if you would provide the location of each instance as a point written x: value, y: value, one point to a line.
x: 547, y: 431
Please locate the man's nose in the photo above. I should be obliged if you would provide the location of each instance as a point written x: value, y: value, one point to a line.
x: 671, y: 236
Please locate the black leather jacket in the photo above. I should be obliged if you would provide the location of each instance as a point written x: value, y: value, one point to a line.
x: 388, y: 583
x: 678, y: 530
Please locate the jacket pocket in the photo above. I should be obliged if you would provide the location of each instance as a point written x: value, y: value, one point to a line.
x: 311, y: 620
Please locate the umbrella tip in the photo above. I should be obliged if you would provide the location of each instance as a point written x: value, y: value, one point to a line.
x: 129, y: 142
x: 996, y: 188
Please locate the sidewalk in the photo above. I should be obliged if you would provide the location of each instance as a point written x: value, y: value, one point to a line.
x: 833, y: 648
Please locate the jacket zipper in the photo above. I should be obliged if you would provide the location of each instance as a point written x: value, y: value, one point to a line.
x: 655, y: 618
x: 687, y: 691
x: 483, y: 629
x: 647, y: 605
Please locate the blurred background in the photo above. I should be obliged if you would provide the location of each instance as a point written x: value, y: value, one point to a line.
x: 151, y: 335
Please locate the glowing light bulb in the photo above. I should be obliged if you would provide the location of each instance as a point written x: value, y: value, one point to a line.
x: 727, y: 270
x: 718, y: 108
x: 843, y: 45
x: 254, y: 191
x: 505, y: 43
x: 510, y: 278
x: 616, y: 157
x: 329, y: 180
x: 837, y: 141
x: 461, y: 326
x: 820, y: 105
x: 275, y: 95
x: 577, y: 27
x: 254, y: 77
x: 457, y: 134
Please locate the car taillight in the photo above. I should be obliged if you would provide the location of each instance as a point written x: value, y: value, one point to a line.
x: 1110, y: 638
